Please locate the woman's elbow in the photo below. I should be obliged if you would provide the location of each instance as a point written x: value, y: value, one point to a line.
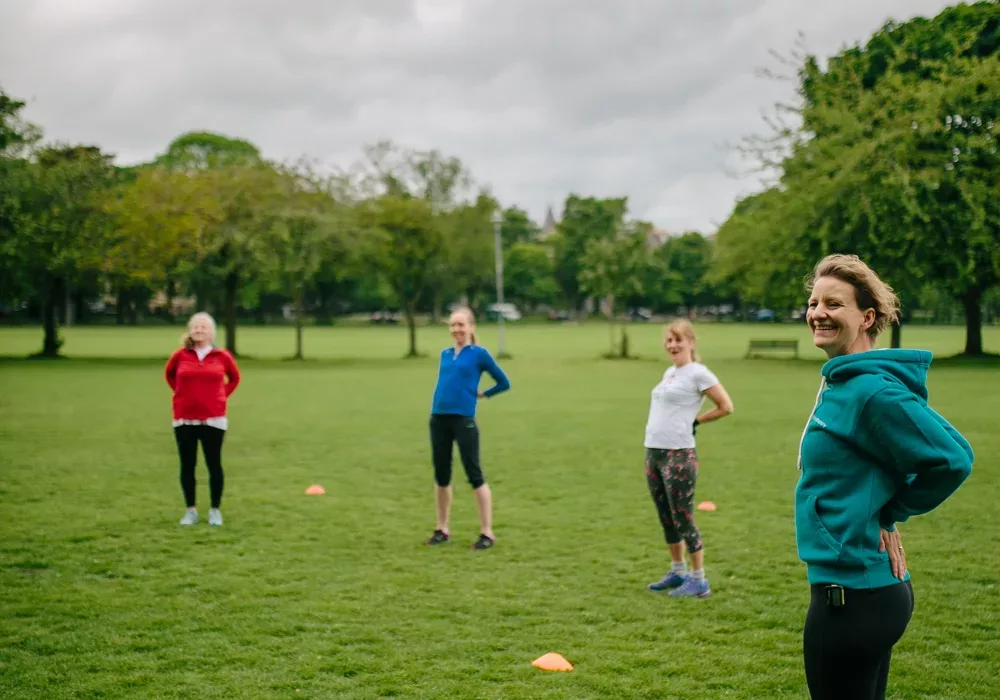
x: 961, y: 465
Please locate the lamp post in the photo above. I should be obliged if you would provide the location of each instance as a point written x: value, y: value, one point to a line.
x: 498, y: 257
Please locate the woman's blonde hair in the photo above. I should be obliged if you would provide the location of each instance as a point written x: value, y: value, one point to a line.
x: 870, y: 292
x: 186, y: 338
x: 470, y: 317
x: 682, y: 328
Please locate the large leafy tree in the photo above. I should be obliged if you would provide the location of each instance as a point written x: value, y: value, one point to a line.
x: 528, y: 277
x: 312, y: 232
x: 404, y: 239
x: 584, y: 220
x: 613, y: 269
x: 158, y: 217
x: 895, y: 160
x: 242, y: 192
x: 517, y: 227
x: 57, y: 226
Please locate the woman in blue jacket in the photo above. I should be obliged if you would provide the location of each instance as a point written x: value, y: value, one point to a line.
x: 453, y: 420
x: 873, y: 454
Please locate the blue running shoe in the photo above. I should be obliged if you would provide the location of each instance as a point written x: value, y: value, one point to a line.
x: 692, y: 588
x: 670, y: 581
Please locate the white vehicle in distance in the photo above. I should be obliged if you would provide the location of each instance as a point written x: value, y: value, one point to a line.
x: 508, y: 311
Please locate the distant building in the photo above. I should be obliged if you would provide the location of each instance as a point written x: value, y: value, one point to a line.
x: 657, y: 237
x: 550, y: 225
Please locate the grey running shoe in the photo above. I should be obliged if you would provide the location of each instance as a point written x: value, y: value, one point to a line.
x: 190, y: 517
x: 215, y: 517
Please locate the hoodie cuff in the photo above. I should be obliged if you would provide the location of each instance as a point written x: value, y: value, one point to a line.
x: 885, y: 521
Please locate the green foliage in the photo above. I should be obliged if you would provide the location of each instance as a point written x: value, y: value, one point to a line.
x: 688, y: 258
x: 388, y: 169
x: 204, y: 150
x: 613, y: 269
x: 404, y: 239
x: 517, y: 227
x: 311, y: 230
x: 56, y: 229
x: 896, y: 162
x: 584, y: 219
x: 465, y: 265
x: 528, y: 275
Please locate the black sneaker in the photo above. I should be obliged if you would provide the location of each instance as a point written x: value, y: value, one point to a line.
x: 439, y: 537
x: 483, y: 542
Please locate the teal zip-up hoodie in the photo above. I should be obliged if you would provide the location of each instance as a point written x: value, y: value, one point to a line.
x: 873, y: 454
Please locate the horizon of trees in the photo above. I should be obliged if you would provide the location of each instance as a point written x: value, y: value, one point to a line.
x: 890, y: 153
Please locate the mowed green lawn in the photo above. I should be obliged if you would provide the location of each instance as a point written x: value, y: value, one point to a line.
x: 103, y: 595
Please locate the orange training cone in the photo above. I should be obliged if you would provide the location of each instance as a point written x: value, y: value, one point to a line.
x: 315, y: 490
x: 552, y: 662
x: 706, y: 505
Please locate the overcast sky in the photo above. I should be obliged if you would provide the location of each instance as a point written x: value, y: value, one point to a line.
x: 539, y: 98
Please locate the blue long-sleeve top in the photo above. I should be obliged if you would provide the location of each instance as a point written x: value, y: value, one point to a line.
x: 457, y: 387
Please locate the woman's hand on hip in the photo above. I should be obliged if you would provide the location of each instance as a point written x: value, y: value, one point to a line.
x: 890, y: 542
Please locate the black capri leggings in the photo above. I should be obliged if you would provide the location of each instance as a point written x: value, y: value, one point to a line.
x: 447, y: 429
x: 211, y: 438
x: 847, y: 648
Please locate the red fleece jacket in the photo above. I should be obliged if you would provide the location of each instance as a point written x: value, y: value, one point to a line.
x: 200, y: 386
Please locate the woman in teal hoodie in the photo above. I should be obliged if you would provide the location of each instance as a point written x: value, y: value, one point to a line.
x: 873, y: 454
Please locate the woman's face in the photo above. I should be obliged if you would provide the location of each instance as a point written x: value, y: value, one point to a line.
x: 200, y: 330
x: 461, y: 328
x: 680, y: 349
x: 838, y: 326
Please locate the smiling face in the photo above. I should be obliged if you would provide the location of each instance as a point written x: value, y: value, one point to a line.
x: 838, y: 325
x: 679, y: 347
x: 461, y: 327
x: 200, y: 330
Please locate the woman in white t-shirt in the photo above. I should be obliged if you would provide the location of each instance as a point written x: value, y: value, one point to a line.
x: 671, y: 459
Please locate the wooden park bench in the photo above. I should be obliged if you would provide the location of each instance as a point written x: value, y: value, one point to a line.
x: 764, y: 346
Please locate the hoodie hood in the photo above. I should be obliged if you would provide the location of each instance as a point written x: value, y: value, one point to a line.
x: 908, y: 367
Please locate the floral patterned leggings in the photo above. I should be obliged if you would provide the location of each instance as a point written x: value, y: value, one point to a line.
x: 670, y: 475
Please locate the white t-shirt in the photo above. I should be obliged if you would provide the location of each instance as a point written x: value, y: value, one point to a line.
x: 674, y: 405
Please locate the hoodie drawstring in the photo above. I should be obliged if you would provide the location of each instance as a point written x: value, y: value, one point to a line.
x: 822, y: 385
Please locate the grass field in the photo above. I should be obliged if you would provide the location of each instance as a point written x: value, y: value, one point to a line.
x: 103, y: 595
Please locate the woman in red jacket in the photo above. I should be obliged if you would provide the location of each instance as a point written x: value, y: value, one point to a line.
x: 202, y: 377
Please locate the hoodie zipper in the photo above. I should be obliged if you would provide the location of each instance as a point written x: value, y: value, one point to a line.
x: 819, y: 397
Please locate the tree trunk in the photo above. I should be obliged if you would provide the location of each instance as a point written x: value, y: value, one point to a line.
x: 50, y: 341
x: 232, y: 287
x: 68, y: 307
x: 170, y: 291
x: 298, y: 324
x: 132, y: 309
x: 972, y: 301
x: 436, y: 310
x: 411, y: 323
x: 624, y: 352
x: 897, y: 335
x: 120, y: 306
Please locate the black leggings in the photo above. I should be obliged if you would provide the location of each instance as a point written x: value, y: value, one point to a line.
x: 211, y: 444
x: 847, y: 649
x: 447, y: 429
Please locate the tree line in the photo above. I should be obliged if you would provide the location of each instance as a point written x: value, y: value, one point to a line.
x: 213, y: 219
x: 891, y: 153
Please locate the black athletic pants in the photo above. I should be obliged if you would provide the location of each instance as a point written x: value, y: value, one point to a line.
x: 847, y: 648
x: 188, y: 437
x: 447, y: 429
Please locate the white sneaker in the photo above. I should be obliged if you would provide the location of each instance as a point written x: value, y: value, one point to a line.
x: 190, y: 517
x: 215, y: 517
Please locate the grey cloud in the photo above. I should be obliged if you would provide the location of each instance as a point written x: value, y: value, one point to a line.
x: 539, y: 98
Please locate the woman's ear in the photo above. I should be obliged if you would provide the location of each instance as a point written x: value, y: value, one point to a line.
x: 869, y: 320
